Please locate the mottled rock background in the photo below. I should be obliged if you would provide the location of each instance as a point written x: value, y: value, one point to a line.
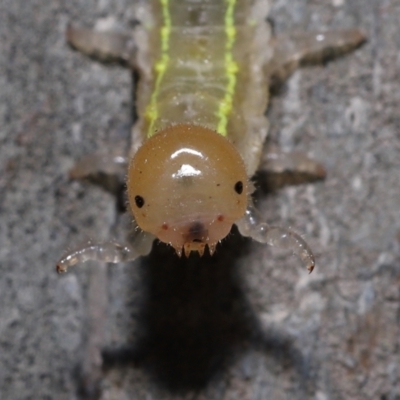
x: 248, y: 324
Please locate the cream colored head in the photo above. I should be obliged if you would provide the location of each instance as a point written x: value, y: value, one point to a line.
x: 187, y: 185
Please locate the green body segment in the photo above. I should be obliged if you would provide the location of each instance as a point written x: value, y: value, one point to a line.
x: 198, y: 62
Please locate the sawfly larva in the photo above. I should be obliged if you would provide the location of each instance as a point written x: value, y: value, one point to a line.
x: 205, y: 69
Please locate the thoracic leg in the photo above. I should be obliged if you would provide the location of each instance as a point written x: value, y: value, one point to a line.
x: 252, y: 225
x: 279, y: 161
x: 110, y: 252
x: 103, y: 45
x: 294, y: 50
x: 281, y: 168
x: 106, y: 170
x: 105, y: 163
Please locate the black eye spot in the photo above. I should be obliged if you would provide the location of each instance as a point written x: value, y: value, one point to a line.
x: 239, y: 187
x: 139, y: 200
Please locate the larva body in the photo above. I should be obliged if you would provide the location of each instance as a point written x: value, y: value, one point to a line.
x: 205, y: 64
x: 205, y: 68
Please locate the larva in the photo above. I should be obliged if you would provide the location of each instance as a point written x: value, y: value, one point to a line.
x: 205, y: 69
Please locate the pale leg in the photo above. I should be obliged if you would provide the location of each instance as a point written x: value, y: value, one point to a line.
x: 105, y: 163
x: 297, y: 49
x: 281, y: 168
x: 110, y: 252
x: 106, y: 170
x: 103, y: 45
x: 252, y: 225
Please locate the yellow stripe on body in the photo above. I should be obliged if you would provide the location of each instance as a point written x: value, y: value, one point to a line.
x: 152, y: 110
x: 231, y: 69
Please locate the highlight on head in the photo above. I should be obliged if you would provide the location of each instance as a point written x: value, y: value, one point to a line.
x: 187, y: 185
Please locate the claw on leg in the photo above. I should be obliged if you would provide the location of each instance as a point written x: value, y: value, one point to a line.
x: 252, y: 225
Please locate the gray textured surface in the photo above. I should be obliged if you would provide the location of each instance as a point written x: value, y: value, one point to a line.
x: 249, y: 324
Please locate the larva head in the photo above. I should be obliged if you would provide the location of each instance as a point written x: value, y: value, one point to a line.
x: 187, y: 185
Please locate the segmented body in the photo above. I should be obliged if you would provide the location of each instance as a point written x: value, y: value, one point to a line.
x: 208, y: 67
